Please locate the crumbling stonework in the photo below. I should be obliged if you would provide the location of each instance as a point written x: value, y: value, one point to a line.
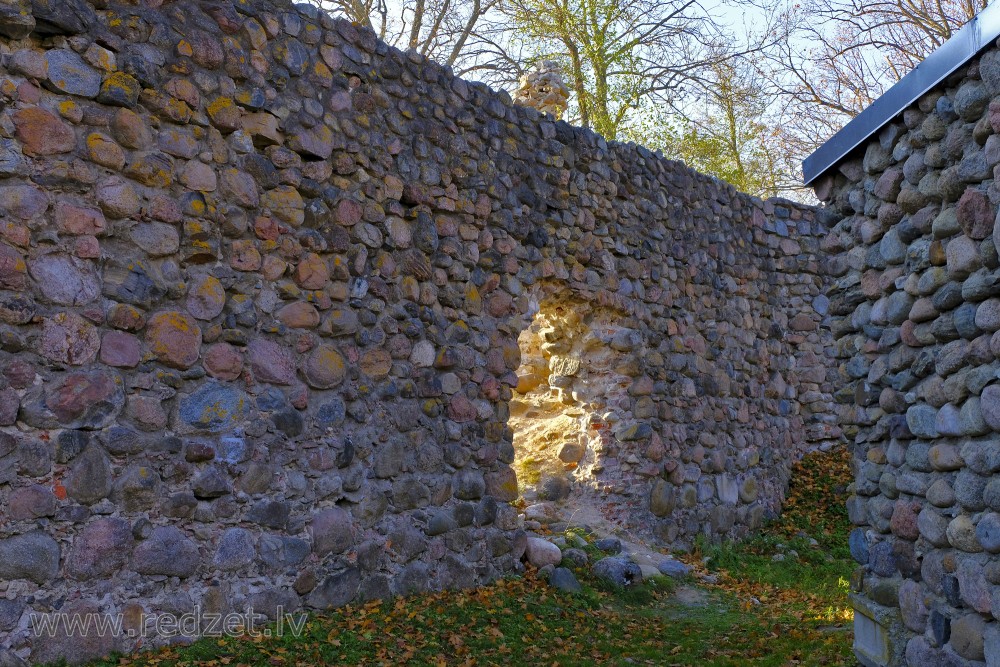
x: 915, y: 311
x: 543, y: 88
x: 262, y: 280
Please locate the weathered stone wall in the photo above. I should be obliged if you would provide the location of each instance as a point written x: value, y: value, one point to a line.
x: 262, y: 283
x: 915, y: 312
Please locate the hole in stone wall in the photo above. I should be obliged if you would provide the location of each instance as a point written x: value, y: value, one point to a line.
x: 570, y: 402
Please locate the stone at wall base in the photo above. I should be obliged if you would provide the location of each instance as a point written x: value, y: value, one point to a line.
x: 879, y: 635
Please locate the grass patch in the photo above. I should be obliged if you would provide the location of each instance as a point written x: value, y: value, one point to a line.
x: 805, y: 594
x: 530, y: 472
x: 759, y: 613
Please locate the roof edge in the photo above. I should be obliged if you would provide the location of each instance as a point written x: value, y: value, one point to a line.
x: 974, y: 36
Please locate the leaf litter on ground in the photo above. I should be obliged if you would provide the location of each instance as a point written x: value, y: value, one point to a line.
x: 759, y: 611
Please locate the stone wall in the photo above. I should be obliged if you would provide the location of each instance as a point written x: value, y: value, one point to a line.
x: 263, y: 279
x: 916, y: 310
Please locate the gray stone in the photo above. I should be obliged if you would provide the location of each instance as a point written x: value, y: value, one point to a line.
x: 991, y: 494
x: 62, y: 17
x: 340, y: 322
x: 919, y: 653
x: 821, y: 304
x: 440, y: 523
x: 270, y: 513
x: 180, y: 505
x: 16, y: 22
x: 564, y: 580
x: 215, y: 407
x: 336, y: 590
x: 963, y: 257
x: 274, y: 602
x: 281, y: 552
x: 991, y: 644
x: 12, y: 162
x: 166, y: 551
x: 989, y: 70
x: 948, y: 421
x: 980, y: 285
x: 89, y: 479
x: 33, y: 556
x: 289, y: 422
x: 898, y: 307
x: 10, y: 659
x: 407, y: 542
x: 964, y: 321
x: 138, y: 488
x: 618, y: 571
x: 65, y: 280
x: 156, y: 238
x: 971, y: 100
x: 257, y: 478
x: 34, y: 458
x: 10, y: 614
x: 990, y: 405
x: 913, y: 606
x: 969, y: 490
x: 882, y: 559
x: 967, y: 636
x: 946, y: 223
x: 554, y: 488
x: 69, y: 645
x: 469, y: 484
x: 921, y: 421
x: 540, y: 552
x: 675, y: 569
x: 962, y: 534
x: 332, y: 531
x: 212, y: 482
x: 662, y: 498
x: 974, y: 589
x: 577, y: 557
x: 988, y: 315
x: 236, y: 550
x: 67, y: 73
x: 100, y: 549
x: 971, y: 419
x: 609, y: 545
x: 933, y: 527
x: 981, y: 456
x: 858, y: 544
x: 892, y: 249
x: 988, y: 532
x: 31, y: 502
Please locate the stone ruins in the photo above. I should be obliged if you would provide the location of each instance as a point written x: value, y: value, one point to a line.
x: 915, y: 310
x: 543, y: 89
x: 279, y: 304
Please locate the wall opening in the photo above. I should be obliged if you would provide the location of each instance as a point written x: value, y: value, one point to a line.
x: 571, y: 400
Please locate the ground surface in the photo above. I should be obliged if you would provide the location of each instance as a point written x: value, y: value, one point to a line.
x: 742, y: 607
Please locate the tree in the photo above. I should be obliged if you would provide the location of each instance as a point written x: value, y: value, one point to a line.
x: 621, y: 55
x: 443, y: 30
x: 835, y: 57
x: 726, y: 133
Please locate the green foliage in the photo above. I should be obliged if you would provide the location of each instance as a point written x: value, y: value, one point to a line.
x: 725, y: 134
x: 618, y: 55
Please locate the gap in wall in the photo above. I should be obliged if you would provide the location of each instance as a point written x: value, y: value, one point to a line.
x: 572, y: 394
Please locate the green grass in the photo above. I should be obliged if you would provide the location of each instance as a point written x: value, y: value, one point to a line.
x: 759, y: 613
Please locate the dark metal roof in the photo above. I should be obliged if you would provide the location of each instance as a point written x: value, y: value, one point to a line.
x: 976, y: 35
